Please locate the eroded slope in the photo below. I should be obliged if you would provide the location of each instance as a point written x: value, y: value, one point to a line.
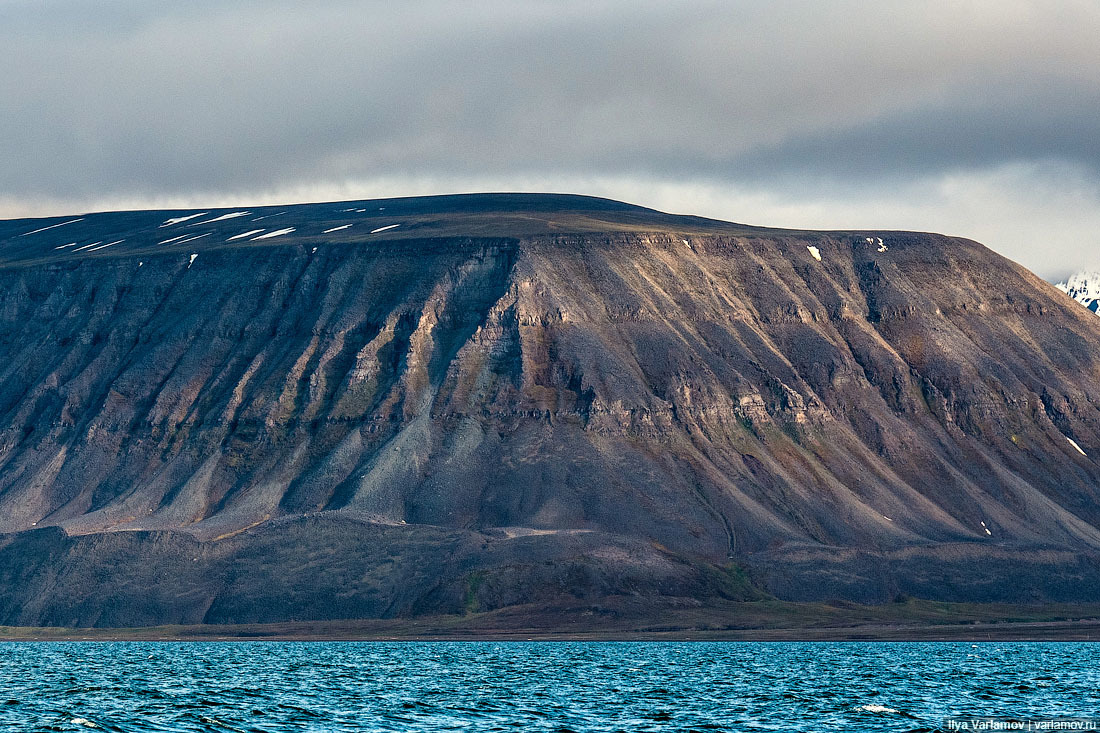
x: 628, y: 394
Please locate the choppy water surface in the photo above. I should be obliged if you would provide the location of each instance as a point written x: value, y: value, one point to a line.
x: 488, y: 686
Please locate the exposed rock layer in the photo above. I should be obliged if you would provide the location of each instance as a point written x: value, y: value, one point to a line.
x: 506, y: 398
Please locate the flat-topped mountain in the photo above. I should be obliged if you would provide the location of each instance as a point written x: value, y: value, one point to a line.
x: 455, y: 217
x: 441, y: 404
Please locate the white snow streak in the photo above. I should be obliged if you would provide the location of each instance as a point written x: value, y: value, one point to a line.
x: 382, y: 229
x: 336, y: 229
x: 223, y: 217
x: 70, y: 244
x: 86, y: 246
x: 181, y: 219
x: 105, y: 246
x: 192, y: 239
x: 52, y: 226
x: 815, y: 252
x: 268, y: 216
x: 1074, y: 444
x: 191, y: 261
x: 173, y: 239
x: 246, y: 234
x: 276, y: 233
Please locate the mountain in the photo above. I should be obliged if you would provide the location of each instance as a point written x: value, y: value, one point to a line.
x: 1084, y: 287
x: 444, y: 404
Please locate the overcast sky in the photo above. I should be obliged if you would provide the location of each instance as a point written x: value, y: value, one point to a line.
x: 979, y: 118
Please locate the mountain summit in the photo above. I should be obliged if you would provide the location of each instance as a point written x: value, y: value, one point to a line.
x: 403, y: 406
x: 1084, y: 287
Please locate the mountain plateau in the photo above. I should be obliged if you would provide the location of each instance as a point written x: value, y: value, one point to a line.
x: 446, y: 404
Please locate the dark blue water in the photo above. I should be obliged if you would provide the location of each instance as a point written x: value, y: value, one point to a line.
x: 487, y: 686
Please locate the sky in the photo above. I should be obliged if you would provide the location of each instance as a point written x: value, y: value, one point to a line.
x: 973, y: 118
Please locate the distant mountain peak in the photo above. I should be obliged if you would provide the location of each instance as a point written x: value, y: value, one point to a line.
x: 1084, y: 287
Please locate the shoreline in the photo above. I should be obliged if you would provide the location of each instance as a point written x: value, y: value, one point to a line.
x: 619, y: 619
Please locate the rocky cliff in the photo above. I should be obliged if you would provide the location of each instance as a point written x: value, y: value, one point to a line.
x: 443, y: 404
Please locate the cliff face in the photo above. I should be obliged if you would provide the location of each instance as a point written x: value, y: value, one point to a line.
x: 507, y: 399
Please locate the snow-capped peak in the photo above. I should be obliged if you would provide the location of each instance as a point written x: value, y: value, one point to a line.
x: 1084, y: 287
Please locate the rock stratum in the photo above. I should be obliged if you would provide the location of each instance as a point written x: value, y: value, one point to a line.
x: 448, y: 404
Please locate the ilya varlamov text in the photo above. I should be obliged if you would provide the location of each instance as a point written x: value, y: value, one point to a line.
x: 1038, y: 724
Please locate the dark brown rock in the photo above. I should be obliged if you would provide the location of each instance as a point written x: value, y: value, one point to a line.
x: 508, y: 398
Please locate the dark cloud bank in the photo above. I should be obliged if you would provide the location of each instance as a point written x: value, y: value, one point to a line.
x: 979, y: 118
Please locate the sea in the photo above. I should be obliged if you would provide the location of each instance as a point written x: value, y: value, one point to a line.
x: 264, y: 687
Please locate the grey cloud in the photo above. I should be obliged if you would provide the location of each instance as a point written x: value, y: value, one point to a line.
x: 934, y: 141
x: 146, y: 100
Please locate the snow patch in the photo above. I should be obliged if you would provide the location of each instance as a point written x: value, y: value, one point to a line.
x: 192, y: 239
x: 64, y: 246
x: 173, y: 239
x: 181, y: 219
x: 1079, y: 450
x: 276, y: 233
x: 1084, y: 287
x: 815, y: 252
x: 223, y: 217
x: 336, y: 229
x: 382, y: 229
x: 52, y: 226
x: 246, y: 234
x: 86, y: 246
x: 191, y: 261
x: 877, y: 709
x: 105, y: 246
